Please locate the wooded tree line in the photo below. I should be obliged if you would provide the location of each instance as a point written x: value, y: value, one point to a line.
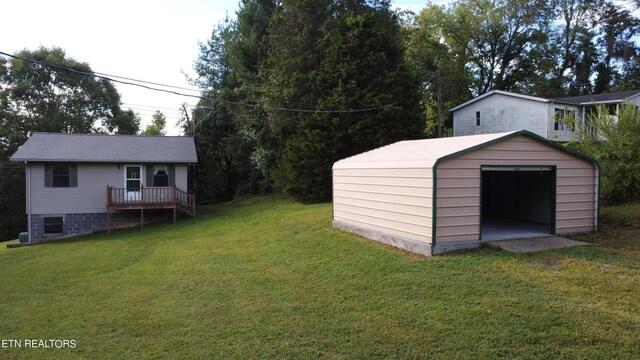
x: 293, y: 86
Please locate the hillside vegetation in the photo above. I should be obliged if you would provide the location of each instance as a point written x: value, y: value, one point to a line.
x: 269, y: 278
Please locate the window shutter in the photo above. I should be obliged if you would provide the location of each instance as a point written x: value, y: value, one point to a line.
x: 149, y: 175
x: 48, y: 176
x: 172, y: 175
x: 73, y: 175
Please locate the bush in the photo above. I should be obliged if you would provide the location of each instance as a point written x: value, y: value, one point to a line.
x: 614, y: 143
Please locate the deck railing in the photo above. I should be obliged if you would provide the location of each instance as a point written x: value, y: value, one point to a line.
x: 150, y: 197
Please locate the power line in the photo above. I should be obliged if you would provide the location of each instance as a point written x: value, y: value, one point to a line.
x: 151, y: 106
x: 112, y: 79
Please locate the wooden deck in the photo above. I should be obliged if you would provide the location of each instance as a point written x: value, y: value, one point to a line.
x: 122, y: 199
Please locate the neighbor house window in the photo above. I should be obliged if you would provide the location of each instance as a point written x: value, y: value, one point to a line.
x: 160, y: 175
x: 60, y: 175
x: 477, y: 118
x: 564, y: 119
x: 53, y: 225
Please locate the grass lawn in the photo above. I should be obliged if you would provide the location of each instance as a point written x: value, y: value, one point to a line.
x: 269, y: 278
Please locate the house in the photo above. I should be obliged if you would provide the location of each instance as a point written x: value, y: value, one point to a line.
x: 436, y: 195
x: 80, y: 183
x: 554, y: 119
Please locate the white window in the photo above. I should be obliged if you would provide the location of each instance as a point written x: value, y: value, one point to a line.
x: 564, y: 119
x: 160, y: 175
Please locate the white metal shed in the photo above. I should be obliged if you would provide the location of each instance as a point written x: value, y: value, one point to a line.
x: 437, y: 195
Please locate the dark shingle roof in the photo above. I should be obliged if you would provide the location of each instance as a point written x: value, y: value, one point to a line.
x: 107, y: 148
x: 596, y: 98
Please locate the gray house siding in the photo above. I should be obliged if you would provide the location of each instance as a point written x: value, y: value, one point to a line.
x: 90, y: 196
x: 181, y: 176
x: 501, y: 113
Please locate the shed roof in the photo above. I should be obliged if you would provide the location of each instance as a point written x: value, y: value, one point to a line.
x: 426, y: 153
x: 50, y: 147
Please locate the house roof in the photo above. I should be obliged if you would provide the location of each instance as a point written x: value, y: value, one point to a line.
x: 427, y: 153
x: 601, y: 98
x: 50, y: 147
x: 500, y: 92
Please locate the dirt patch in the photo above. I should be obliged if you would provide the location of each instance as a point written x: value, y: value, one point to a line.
x: 547, y: 263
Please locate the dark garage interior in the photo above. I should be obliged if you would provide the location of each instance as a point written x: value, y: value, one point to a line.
x: 516, y: 202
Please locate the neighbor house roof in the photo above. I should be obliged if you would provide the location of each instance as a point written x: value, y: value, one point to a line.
x: 601, y: 98
x: 500, y: 92
x: 427, y: 153
x: 107, y: 148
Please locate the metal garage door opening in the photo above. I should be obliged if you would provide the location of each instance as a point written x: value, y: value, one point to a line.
x: 517, y: 202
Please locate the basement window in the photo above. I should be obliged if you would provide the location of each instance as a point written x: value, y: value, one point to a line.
x: 53, y: 225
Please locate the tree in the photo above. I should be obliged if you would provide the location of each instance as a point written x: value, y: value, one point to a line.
x: 343, y: 61
x: 54, y: 96
x: 500, y: 40
x: 215, y: 123
x: 618, y: 27
x: 158, y: 123
x: 437, y: 68
x: 614, y: 143
x: 571, y: 54
x: 247, y: 53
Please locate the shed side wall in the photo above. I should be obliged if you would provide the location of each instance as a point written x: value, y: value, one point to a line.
x: 391, y: 201
x: 458, y: 215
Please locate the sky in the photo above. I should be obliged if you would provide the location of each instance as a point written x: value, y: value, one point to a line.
x: 151, y: 40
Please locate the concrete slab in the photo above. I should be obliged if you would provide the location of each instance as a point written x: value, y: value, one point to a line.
x: 504, y: 229
x: 522, y: 246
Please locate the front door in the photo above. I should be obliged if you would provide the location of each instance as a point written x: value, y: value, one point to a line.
x: 133, y: 181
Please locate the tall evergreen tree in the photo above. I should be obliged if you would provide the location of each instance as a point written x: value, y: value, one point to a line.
x: 343, y: 61
x: 215, y: 124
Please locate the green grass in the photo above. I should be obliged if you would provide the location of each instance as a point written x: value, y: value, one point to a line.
x: 270, y: 278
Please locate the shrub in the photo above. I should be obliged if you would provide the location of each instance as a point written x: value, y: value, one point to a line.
x: 615, y: 143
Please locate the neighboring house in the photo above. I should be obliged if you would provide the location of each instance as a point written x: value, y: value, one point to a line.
x: 555, y: 119
x: 80, y: 183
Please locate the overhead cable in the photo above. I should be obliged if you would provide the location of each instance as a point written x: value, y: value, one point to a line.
x: 140, y: 83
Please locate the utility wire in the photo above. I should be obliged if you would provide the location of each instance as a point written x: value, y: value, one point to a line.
x: 112, y: 78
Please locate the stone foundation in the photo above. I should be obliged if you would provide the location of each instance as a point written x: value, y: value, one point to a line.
x: 86, y: 223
